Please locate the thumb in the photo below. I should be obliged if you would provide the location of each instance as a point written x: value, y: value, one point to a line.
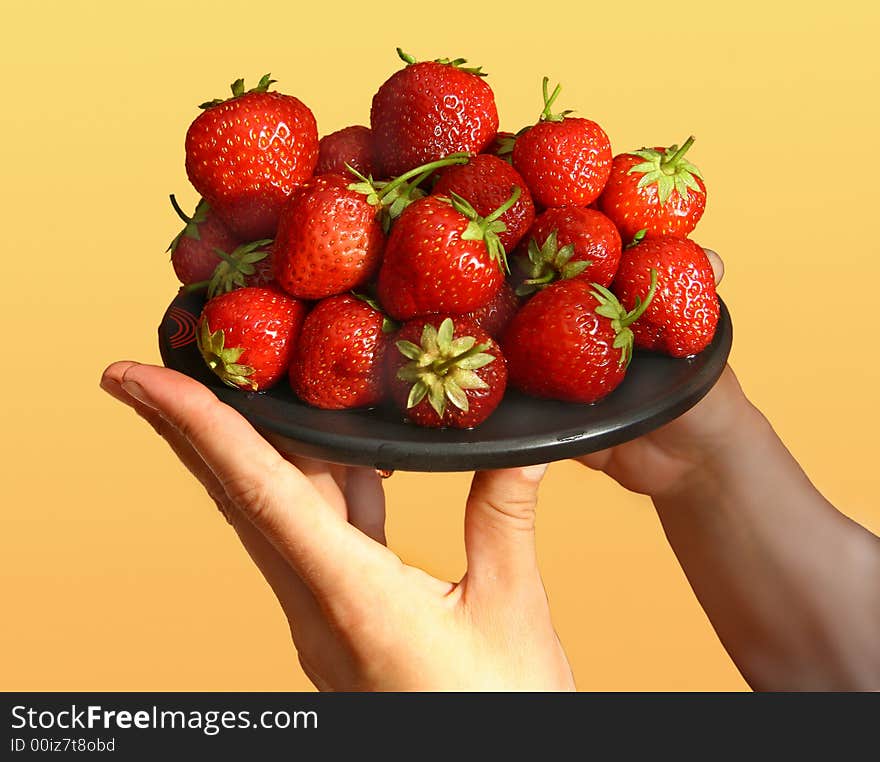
x: 500, y: 525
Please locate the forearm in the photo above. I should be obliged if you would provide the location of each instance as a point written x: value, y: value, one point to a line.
x: 791, y: 585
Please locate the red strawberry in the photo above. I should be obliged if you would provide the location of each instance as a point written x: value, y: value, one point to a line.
x: 193, y: 255
x: 570, y: 242
x: 655, y: 190
x: 352, y: 146
x: 429, y: 110
x: 681, y: 319
x: 494, y: 317
x: 485, y: 182
x: 338, y: 361
x: 332, y: 231
x: 571, y: 342
x: 329, y: 239
x: 247, y: 336
x: 442, y: 257
x: 565, y: 160
x: 246, y: 155
x: 446, y: 371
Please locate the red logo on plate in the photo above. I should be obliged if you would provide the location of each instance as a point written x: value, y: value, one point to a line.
x: 185, y: 324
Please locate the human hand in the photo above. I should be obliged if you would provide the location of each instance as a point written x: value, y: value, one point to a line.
x: 362, y: 619
x: 664, y: 458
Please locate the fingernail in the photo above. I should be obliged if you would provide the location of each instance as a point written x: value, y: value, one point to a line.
x: 534, y: 473
x: 137, y: 391
x: 107, y: 383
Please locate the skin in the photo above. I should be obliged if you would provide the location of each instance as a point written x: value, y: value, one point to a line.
x: 360, y: 618
x: 791, y: 585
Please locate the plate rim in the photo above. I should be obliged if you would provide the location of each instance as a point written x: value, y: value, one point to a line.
x: 451, y: 456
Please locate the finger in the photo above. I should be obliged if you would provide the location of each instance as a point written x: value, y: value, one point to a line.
x: 277, y: 498
x: 366, y: 502
x: 299, y: 605
x: 717, y: 264
x: 111, y: 382
x: 308, y: 623
x: 362, y: 502
x: 596, y: 460
x: 273, y: 567
x: 500, y: 525
x: 327, y: 478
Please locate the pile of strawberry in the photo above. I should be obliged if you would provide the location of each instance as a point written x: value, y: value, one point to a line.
x: 431, y: 260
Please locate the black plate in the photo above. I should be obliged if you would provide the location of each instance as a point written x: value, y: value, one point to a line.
x: 522, y: 431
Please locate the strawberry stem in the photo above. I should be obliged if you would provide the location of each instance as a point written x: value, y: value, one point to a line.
x: 180, y: 212
x: 515, y: 193
x: 451, y: 160
x: 548, y: 100
x: 197, y: 286
x: 668, y: 164
x: 548, y: 277
x: 636, y: 312
x: 406, y: 57
x: 547, y: 115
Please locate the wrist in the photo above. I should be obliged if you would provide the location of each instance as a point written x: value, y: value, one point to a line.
x: 736, y: 431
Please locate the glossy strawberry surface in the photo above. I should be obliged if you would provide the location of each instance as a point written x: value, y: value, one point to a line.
x: 634, y: 208
x: 350, y: 145
x: 681, y: 319
x: 565, y: 163
x: 495, y: 316
x: 329, y: 239
x: 246, y: 155
x: 558, y: 347
x: 427, y: 111
x: 193, y: 254
x: 428, y: 267
x: 481, y: 402
x: 338, y: 361
x: 591, y: 234
x: 264, y: 323
x: 487, y: 181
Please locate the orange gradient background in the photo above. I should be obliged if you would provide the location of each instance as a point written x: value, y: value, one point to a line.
x: 116, y: 573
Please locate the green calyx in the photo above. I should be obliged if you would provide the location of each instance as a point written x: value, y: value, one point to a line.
x: 455, y: 63
x: 233, y: 268
x: 668, y: 170
x: 224, y: 360
x: 547, y: 114
x: 621, y: 320
x: 441, y: 367
x: 391, y: 197
x: 238, y: 90
x: 505, y: 144
x: 486, y: 228
x: 505, y: 148
x: 548, y: 263
x: 637, y: 238
x: 388, y: 325
x: 191, y: 224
